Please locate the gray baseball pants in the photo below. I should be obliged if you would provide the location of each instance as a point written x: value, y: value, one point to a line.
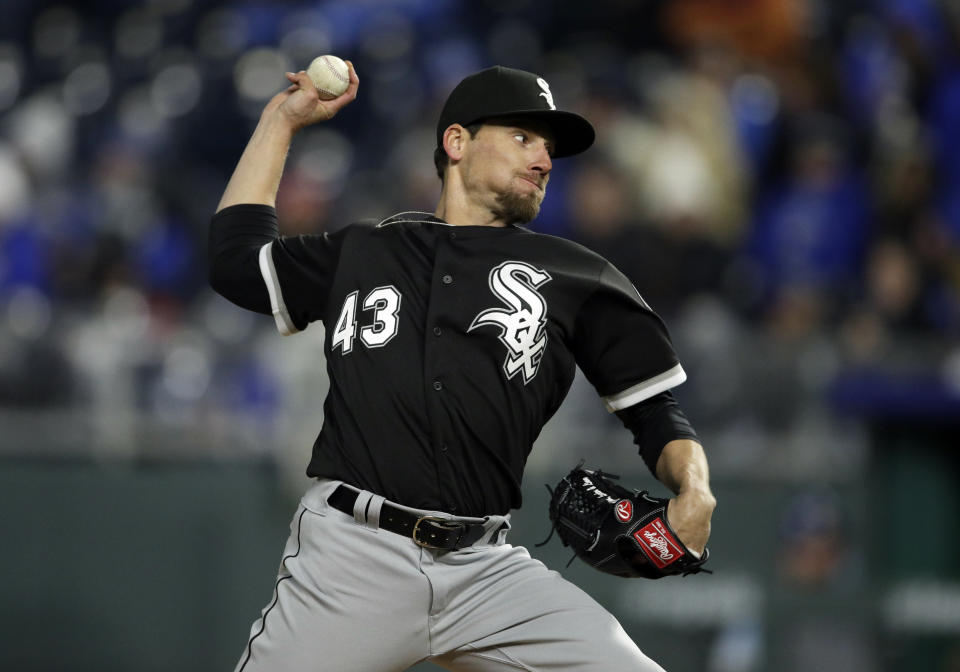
x: 351, y: 597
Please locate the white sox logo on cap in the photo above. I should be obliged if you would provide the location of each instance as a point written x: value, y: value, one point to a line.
x: 522, y: 328
x: 546, y: 92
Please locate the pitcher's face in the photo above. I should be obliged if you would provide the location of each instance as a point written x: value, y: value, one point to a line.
x: 506, y: 166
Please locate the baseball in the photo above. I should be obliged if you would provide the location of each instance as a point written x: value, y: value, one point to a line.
x: 330, y: 75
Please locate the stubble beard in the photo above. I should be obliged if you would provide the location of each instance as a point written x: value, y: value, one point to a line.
x: 517, y: 208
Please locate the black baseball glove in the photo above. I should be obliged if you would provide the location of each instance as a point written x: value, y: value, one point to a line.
x: 618, y: 531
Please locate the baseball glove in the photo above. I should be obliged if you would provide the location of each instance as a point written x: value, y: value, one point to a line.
x: 618, y: 531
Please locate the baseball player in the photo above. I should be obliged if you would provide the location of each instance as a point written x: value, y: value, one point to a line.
x: 451, y: 338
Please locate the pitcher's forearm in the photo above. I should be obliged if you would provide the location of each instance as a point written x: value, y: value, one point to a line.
x: 257, y: 175
x: 683, y: 467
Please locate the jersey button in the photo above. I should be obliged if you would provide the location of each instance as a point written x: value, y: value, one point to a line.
x: 437, y: 331
x: 453, y: 236
x: 447, y: 279
x: 437, y: 385
x: 444, y: 448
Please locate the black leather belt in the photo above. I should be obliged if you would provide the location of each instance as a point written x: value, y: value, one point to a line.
x: 427, y: 531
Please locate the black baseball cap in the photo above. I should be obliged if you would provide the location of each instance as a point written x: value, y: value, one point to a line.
x: 508, y: 92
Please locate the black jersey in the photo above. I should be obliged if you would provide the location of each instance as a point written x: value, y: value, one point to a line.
x: 448, y: 347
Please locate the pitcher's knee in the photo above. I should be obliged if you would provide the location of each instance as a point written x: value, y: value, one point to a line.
x: 613, y: 649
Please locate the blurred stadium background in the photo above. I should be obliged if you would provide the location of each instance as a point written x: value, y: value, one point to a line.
x: 780, y: 178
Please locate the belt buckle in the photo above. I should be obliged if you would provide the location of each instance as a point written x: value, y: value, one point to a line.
x: 443, y: 522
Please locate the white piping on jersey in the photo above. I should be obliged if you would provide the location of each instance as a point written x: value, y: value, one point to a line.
x: 281, y: 315
x: 412, y: 221
x: 646, y: 389
x: 434, y: 220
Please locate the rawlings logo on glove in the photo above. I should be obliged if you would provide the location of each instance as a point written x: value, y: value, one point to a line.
x: 617, y: 531
x: 661, y: 546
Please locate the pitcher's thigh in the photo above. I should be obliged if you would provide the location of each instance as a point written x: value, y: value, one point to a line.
x: 573, y: 641
x: 520, y: 615
x: 342, y: 601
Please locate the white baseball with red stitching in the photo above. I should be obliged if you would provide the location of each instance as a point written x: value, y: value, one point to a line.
x: 330, y: 75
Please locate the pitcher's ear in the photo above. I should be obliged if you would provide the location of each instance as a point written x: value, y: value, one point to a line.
x: 454, y: 139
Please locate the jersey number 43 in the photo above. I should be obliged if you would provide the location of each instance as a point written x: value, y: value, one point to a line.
x: 385, y: 304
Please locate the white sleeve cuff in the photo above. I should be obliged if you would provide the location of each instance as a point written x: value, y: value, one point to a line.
x: 646, y: 389
x: 280, y: 314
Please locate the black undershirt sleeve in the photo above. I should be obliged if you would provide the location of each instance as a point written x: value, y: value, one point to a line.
x: 655, y: 422
x: 236, y: 235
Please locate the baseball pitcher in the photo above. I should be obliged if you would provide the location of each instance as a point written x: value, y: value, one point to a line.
x: 451, y: 337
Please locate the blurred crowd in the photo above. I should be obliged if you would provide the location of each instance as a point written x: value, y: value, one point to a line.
x: 778, y: 177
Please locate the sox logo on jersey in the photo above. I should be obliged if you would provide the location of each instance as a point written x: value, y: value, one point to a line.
x: 522, y: 327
